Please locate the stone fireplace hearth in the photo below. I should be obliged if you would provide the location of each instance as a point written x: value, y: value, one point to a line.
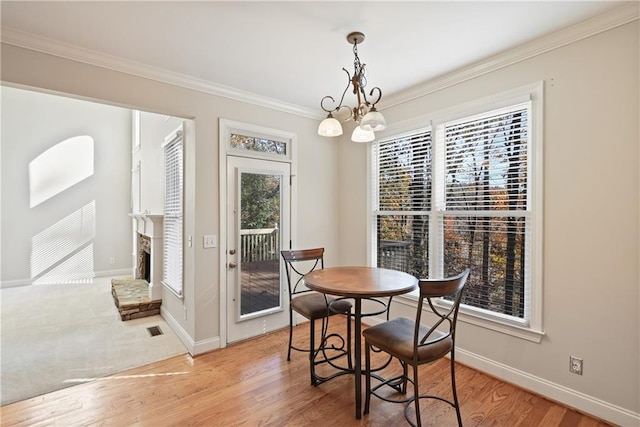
x: 141, y: 295
x: 132, y: 300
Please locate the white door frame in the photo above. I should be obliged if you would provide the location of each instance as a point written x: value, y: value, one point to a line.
x: 226, y: 128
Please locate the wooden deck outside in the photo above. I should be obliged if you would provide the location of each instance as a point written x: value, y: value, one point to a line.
x: 260, y: 285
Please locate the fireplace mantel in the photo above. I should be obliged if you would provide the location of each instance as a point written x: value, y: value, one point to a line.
x: 149, y: 225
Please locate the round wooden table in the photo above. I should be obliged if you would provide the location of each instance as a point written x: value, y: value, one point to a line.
x: 358, y: 283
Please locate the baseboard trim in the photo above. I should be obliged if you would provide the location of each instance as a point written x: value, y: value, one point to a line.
x: 114, y: 273
x: 550, y: 390
x: 14, y: 283
x: 177, y: 329
x: 205, y: 346
x: 564, y: 395
x: 104, y: 273
x: 194, y: 347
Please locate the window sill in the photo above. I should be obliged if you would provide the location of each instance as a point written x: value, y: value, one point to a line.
x: 172, y: 290
x: 472, y: 318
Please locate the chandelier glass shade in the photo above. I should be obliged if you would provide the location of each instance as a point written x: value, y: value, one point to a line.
x: 361, y: 135
x: 330, y: 127
x: 368, y: 120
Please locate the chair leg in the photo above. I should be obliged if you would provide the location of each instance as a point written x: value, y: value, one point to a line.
x: 349, y: 360
x: 405, y: 380
x: 312, y: 351
x: 453, y: 386
x: 367, y: 376
x: 416, y: 395
x: 290, y: 334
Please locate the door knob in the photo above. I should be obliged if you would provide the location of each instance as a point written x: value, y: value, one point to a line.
x: 232, y: 252
x: 232, y: 264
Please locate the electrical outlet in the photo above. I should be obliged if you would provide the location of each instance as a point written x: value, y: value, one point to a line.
x: 575, y: 365
x: 112, y: 260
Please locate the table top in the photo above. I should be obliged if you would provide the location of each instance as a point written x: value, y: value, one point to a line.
x: 360, y: 281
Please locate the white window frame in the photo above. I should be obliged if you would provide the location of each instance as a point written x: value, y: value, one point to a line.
x: 532, y: 328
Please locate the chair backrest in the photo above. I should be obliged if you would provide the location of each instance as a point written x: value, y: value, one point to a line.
x: 431, y: 289
x: 297, y: 264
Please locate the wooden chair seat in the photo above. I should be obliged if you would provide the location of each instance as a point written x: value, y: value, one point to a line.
x: 396, y: 338
x: 313, y: 305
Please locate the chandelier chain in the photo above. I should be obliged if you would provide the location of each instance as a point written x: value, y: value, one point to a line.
x: 358, y: 70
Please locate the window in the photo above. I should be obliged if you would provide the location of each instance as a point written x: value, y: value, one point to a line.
x: 461, y: 193
x: 173, y: 201
x: 247, y: 140
x: 262, y: 145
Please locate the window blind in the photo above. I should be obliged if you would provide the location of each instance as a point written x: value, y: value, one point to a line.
x: 484, y: 220
x: 173, y: 206
x: 486, y: 162
x: 404, y: 201
x: 460, y: 200
x: 404, y: 173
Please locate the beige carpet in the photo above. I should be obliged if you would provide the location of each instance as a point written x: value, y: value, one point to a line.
x: 56, y: 336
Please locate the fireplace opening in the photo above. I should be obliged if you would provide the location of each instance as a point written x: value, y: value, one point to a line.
x: 144, y: 258
x: 147, y: 267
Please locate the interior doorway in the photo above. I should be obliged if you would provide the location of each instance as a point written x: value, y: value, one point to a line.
x: 75, y: 235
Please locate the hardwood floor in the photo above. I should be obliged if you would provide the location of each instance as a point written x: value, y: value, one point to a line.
x: 252, y: 384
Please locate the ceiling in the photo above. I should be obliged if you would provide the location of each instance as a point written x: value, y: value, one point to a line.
x: 294, y: 51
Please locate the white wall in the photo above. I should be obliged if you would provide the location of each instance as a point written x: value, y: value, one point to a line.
x: 591, y: 224
x: 152, y: 130
x: 33, y: 123
x: 149, y: 156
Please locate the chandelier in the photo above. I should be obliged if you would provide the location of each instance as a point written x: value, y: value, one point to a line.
x: 364, y: 114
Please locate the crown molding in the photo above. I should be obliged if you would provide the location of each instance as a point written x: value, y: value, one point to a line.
x: 14, y: 37
x: 622, y: 15
x: 615, y: 18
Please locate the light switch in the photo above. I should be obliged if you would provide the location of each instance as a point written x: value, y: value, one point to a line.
x: 210, y: 241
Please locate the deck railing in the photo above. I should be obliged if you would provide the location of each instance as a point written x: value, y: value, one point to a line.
x: 264, y: 245
x: 261, y: 244
x: 394, y: 254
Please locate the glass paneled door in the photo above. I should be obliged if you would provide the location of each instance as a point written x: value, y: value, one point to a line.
x: 257, y: 226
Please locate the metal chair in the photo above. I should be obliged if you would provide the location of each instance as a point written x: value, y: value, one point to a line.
x: 414, y: 344
x: 313, y: 306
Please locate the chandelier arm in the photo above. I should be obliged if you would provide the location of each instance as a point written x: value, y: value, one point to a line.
x: 373, y: 104
x: 337, y: 110
x: 332, y: 100
x: 364, y: 101
x: 362, y: 111
x: 345, y: 89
